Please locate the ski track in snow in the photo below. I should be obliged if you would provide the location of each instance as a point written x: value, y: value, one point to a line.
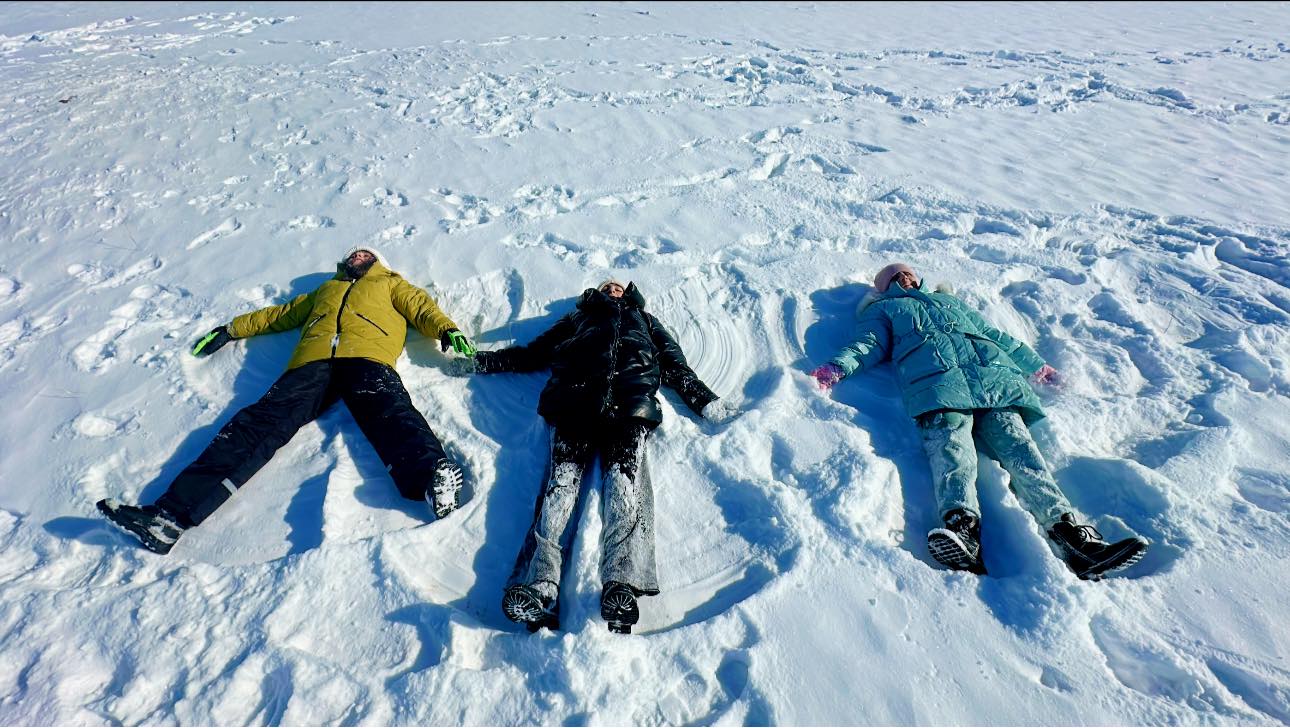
x: 173, y: 172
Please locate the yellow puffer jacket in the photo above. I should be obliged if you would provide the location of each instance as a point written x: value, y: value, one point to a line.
x: 366, y: 319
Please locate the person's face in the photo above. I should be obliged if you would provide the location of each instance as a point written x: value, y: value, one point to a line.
x: 613, y: 290
x: 905, y: 280
x: 359, y: 258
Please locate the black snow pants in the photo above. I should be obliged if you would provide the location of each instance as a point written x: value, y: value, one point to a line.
x: 627, y: 510
x: 373, y: 393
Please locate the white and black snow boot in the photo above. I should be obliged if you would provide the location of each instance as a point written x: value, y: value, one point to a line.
x: 445, y: 487
x: 618, y: 607
x: 958, y: 544
x: 156, y: 529
x: 524, y: 605
x: 1088, y: 555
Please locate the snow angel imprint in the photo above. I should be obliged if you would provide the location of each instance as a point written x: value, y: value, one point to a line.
x: 352, y: 330
x: 607, y: 359
x: 961, y: 379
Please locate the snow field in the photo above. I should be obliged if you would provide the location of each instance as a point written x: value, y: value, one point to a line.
x: 1102, y: 181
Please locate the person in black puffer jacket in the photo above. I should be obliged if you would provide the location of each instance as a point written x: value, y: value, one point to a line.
x: 607, y: 359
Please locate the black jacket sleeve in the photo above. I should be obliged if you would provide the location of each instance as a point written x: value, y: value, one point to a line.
x: 677, y: 374
x: 528, y: 358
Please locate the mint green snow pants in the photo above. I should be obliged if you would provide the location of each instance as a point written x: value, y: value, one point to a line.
x: 947, y: 440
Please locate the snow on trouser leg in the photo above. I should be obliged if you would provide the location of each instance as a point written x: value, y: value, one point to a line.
x: 247, y: 442
x: 1008, y: 440
x: 1005, y: 434
x: 397, y: 430
x: 951, y: 453
x: 627, y: 557
x: 541, y: 560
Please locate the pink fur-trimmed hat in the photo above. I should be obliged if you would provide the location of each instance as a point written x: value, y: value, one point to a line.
x: 883, y: 279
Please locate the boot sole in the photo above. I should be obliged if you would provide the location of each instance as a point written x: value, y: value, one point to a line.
x: 1131, y: 554
x: 445, y: 490
x: 442, y: 511
x: 620, y: 611
x: 522, y: 606
x: 946, y: 548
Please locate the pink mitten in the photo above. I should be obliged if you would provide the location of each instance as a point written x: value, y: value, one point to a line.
x: 827, y: 375
x: 1046, y: 375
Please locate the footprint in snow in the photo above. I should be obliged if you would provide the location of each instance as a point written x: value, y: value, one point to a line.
x: 544, y: 201
x: 382, y: 197
x: 101, y: 426
x: 463, y: 211
x: 1267, y: 490
x: 228, y: 227
x: 310, y: 222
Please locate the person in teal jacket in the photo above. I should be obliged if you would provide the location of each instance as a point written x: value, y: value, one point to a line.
x: 962, y: 378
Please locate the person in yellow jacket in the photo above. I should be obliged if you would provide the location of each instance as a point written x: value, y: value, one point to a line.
x: 352, y: 330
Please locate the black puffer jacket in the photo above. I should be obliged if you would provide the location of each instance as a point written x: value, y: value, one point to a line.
x: 607, y: 359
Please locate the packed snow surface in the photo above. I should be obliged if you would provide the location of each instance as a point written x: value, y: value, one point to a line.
x: 1108, y: 182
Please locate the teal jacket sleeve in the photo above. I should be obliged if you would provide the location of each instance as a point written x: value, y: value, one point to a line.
x: 871, y: 347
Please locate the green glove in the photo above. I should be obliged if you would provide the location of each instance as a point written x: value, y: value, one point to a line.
x: 210, y: 343
x: 458, y: 341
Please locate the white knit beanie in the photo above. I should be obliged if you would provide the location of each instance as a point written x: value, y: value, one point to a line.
x: 368, y: 248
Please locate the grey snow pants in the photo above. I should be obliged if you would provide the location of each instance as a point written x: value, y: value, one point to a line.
x: 947, y: 440
x: 627, y: 511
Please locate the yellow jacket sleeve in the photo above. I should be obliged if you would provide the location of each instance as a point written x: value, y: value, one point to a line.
x: 420, y: 310
x: 284, y: 317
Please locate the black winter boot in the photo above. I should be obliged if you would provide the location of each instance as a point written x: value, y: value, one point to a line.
x: 1088, y: 555
x: 958, y: 544
x: 524, y: 605
x: 155, y: 528
x: 445, y: 487
x: 618, y: 607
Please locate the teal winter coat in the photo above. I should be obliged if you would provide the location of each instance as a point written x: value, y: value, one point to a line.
x: 946, y: 355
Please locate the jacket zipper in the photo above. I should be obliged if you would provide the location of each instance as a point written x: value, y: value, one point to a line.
x: 370, y: 321
x: 613, y: 359
x: 311, y: 324
x: 335, y: 340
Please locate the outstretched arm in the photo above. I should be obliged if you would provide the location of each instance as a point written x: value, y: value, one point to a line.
x: 677, y: 373
x: 527, y: 358
x: 283, y: 317
x: 290, y: 315
x: 871, y: 346
x: 415, y: 305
